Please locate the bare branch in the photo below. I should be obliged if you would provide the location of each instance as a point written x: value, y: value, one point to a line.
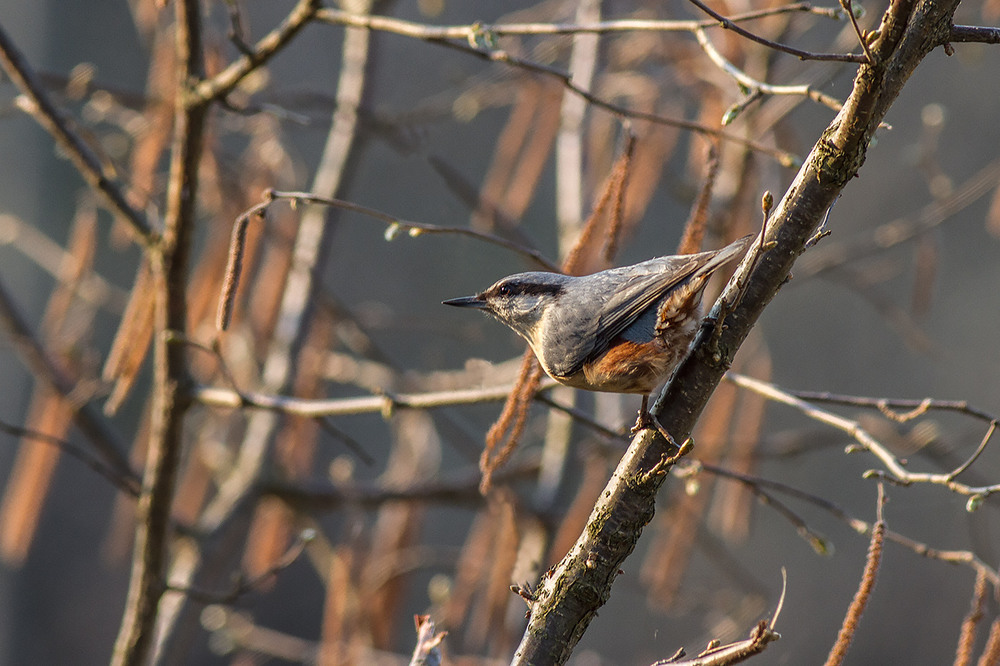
x: 728, y: 24
x: 86, y: 162
x: 566, y: 79
x: 756, y: 86
x: 235, y: 489
x: 413, y: 229
x: 849, y: 10
x: 382, y: 404
x: 899, y: 474
x: 962, y: 557
x: 169, y: 260
x: 733, y: 653
x: 974, y: 33
x: 106, y: 442
x: 225, y: 81
x: 484, y: 31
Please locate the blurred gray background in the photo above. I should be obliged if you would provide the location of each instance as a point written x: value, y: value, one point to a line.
x: 64, y: 604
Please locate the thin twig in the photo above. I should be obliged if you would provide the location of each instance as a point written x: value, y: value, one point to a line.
x: 105, y: 441
x: 242, y: 585
x: 756, y: 86
x: 784, y: 158
x: 484, y: 31
x: 446, y: 37
x: 815, y: 541
x: 887, y: 406
x: 895, y: 468
x: 413, y: 229
x: 127, y: 484
x: 897, y: 231
x: 461, y: 487
x: 225, y: 81
x: 975, y: 33
x: 728, y: 24
x: 375, y: 404
x: 961, y: 557
x: 849, y: 10
x: 50, y: 256
x: 80, y: 154
x: 731, y: 653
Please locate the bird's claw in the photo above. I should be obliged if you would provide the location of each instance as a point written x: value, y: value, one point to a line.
x: 646, y: 421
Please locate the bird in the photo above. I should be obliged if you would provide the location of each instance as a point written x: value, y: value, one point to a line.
x: 620, y: 330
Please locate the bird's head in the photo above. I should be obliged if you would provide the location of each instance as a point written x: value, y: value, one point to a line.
x: 520, y: 301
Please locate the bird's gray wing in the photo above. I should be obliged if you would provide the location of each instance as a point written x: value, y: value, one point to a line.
x: 656, y: 277
x: 640, y: 292
x: 607, y: 303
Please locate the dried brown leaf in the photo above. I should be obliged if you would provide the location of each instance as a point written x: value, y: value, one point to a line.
x: 993, y: 214
x: 730, y: 513
x: 77, y: 263
x: 667, y: 560
x: 128, y: 350
x: 31, y: 475
x: 594, y: 478
x: 926, y: 263
x: 294, y: 450
x: 341, y: 609
x: 532, y: 160
x: 509, y: 145
x: 470, y: 570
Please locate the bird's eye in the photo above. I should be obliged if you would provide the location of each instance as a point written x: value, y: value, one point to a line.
x: 504, y: 290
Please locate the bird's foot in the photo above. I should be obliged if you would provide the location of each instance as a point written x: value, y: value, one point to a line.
x: 646, y: 421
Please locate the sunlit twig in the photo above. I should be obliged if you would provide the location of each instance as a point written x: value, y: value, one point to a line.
x: 896, y: 472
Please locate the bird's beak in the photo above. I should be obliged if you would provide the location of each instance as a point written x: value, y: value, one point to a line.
x: 467, y: 302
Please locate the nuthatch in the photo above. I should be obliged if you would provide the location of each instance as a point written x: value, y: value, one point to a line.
x: 622, y: 330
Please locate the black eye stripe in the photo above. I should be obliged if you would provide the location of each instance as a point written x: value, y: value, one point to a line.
x: 527, y: 289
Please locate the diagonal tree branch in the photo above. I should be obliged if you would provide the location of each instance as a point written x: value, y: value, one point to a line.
x: 169, y: 259
x: 86, y: 162
x: 223, y: 83
x: 975, y: 33
x: 728, y: 24
x: 471, y: 34
x: 569, y: 595
x: 105, y: 441
x: 225, y: 514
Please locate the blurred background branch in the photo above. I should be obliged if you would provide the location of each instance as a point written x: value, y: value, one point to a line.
x: 334, y: 398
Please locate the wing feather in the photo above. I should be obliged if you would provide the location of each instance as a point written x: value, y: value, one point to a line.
x: 601, y: 306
